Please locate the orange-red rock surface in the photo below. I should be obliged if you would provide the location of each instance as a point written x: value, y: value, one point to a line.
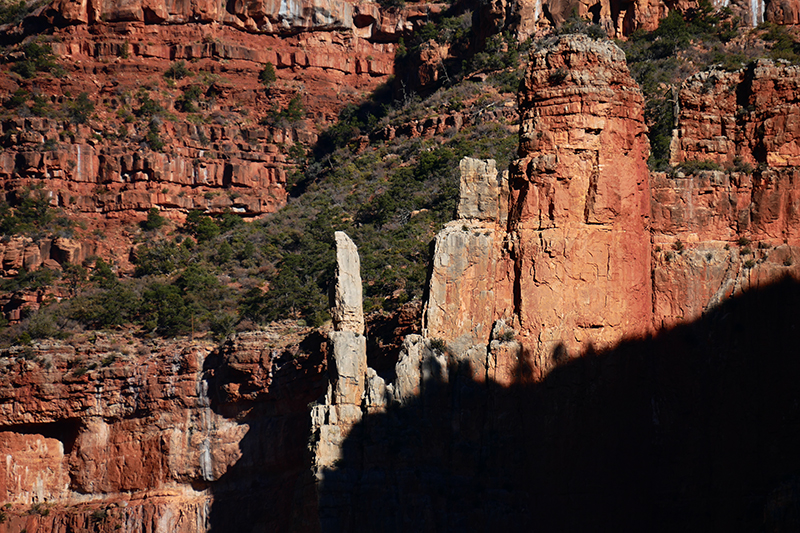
x: 222, y: 156
x: 596, y: 247
x: 114, y: 432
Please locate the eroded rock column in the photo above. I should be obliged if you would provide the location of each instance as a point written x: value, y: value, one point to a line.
x: 472, y: 280
x: 580, y: 203
x: 347, y: 364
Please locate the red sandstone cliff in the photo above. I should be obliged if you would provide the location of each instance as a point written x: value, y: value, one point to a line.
x: 578, y: 248
x: 112, y: 433
x: 594, y: 247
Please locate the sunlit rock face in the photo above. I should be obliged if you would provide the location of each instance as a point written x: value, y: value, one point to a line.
x: 580, y: 202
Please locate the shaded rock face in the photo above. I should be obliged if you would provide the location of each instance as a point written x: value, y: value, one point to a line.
x: 588, y: 363
x: 662, y: 434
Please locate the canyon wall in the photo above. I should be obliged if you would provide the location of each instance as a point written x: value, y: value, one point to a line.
x: 556, y: 277
x: 594, y: 247
x: 141, y: 146
x: 112, y: 433
x: 610, y: 351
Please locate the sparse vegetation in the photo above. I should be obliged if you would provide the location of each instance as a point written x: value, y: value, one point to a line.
x: 36, y: 58
x: 693, y: 167
x: 154, y: 220
x: 267, y: 75
x: 80, y: 110
x: 177, y: 71
x: 660, y: 60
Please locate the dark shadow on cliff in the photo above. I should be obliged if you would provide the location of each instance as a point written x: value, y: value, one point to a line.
x: 270, y: 487
x: 695, y: 429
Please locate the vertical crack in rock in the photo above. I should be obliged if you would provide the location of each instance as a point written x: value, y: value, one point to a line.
x: 583, y: 153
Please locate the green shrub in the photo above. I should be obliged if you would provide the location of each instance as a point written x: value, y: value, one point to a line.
x: 154, y: 220
x: 507, y: 336
x: 160, y: 257
x: 114, y: 305
x: 153, y: 138
x: 188, y: 100
x: 202, y: 227
x: 164, y: 310
x: 784, y: 45
x: 147, y: 107
x: 439, y: 345
x: 103, y: 275
x: 267, y: 75
x: 13, y: 12
x: 41, y: 106
x: 80, y: 109
x: 17, y: 99
x: 576, y: 24
x: 177, y: 71
x: 695, y: 166
x: 28, y: 212
x: 36, y: 58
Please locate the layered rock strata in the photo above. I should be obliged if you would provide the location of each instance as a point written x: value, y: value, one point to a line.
x: 580, y: 201
x: 115, y: 434
x: 595, y: 248
x: 580, y: 348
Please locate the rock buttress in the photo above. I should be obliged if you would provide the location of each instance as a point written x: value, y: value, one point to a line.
x: 580, y: 203
x: 472, y: 278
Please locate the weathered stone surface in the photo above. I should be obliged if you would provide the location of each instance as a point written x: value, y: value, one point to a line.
x: 750, y: 116
x: 483, y: 193
x: 348, y: 367
x: 472, y: 280
x: 471, y: 283
x: 580, y: 201
x: 131, y: 432
x: 347, y: 309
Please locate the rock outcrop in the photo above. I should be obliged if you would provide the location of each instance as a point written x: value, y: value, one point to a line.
x: 347, y: 308
x: 579, y: 308
x: 580, y: 201
x: 472, y: 277
x: 347, y: 366
x: 570, y: 268
x: 569, y: 343
x: 115, y: 434
x: 750, y: 116
x: 595, y: 248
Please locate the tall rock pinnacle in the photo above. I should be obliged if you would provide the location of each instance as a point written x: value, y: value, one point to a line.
x: 580, y: 201
x: 346, y: 308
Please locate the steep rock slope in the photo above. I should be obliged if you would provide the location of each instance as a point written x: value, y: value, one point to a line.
x: 115, y: 434
x: 586, y: 219
x: 658, y: 417
x: 180, y: 120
